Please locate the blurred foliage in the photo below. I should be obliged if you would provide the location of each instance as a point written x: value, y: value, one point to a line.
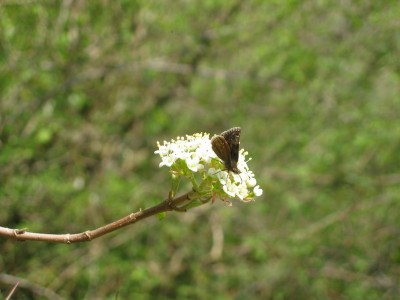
x: 88, y: 87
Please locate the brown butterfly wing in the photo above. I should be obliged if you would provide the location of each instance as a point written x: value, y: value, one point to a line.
x: 226, y: 146
x: 232, y: 136
x: 221, y: 147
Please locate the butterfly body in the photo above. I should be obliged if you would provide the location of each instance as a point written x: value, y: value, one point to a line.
x: 226, y: 146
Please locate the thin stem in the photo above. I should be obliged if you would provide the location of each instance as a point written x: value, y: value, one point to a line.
x: 194, y: 182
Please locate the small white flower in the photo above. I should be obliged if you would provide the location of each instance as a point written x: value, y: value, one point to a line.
x: 257, y: 191
x: 194, y: 163
x: 251, y: 182
x: 230, y: 189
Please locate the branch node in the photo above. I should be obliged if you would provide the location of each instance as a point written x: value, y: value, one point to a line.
x: 67, y: 239
x: 132, y: 216
x: 88, y: 235
x: 19, y: 231
x: 172, y: 206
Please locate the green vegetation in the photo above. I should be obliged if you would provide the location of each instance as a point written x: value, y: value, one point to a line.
x: 88, y: 87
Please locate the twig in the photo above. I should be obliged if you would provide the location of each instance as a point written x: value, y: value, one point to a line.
x: 12, y: 291
x: 26, y: 284
x: 166, y: 205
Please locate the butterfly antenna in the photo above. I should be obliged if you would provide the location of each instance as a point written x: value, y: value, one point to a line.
x: 217, y: 172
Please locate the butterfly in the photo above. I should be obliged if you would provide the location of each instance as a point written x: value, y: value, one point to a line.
x: 226, y: 146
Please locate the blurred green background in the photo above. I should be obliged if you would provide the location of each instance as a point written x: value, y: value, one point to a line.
x: 88, y: 87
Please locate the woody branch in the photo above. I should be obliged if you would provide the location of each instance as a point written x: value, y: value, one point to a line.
x: 166, y: 205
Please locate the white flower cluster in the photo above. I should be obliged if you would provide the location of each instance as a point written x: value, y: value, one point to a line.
x: 196, y: 153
